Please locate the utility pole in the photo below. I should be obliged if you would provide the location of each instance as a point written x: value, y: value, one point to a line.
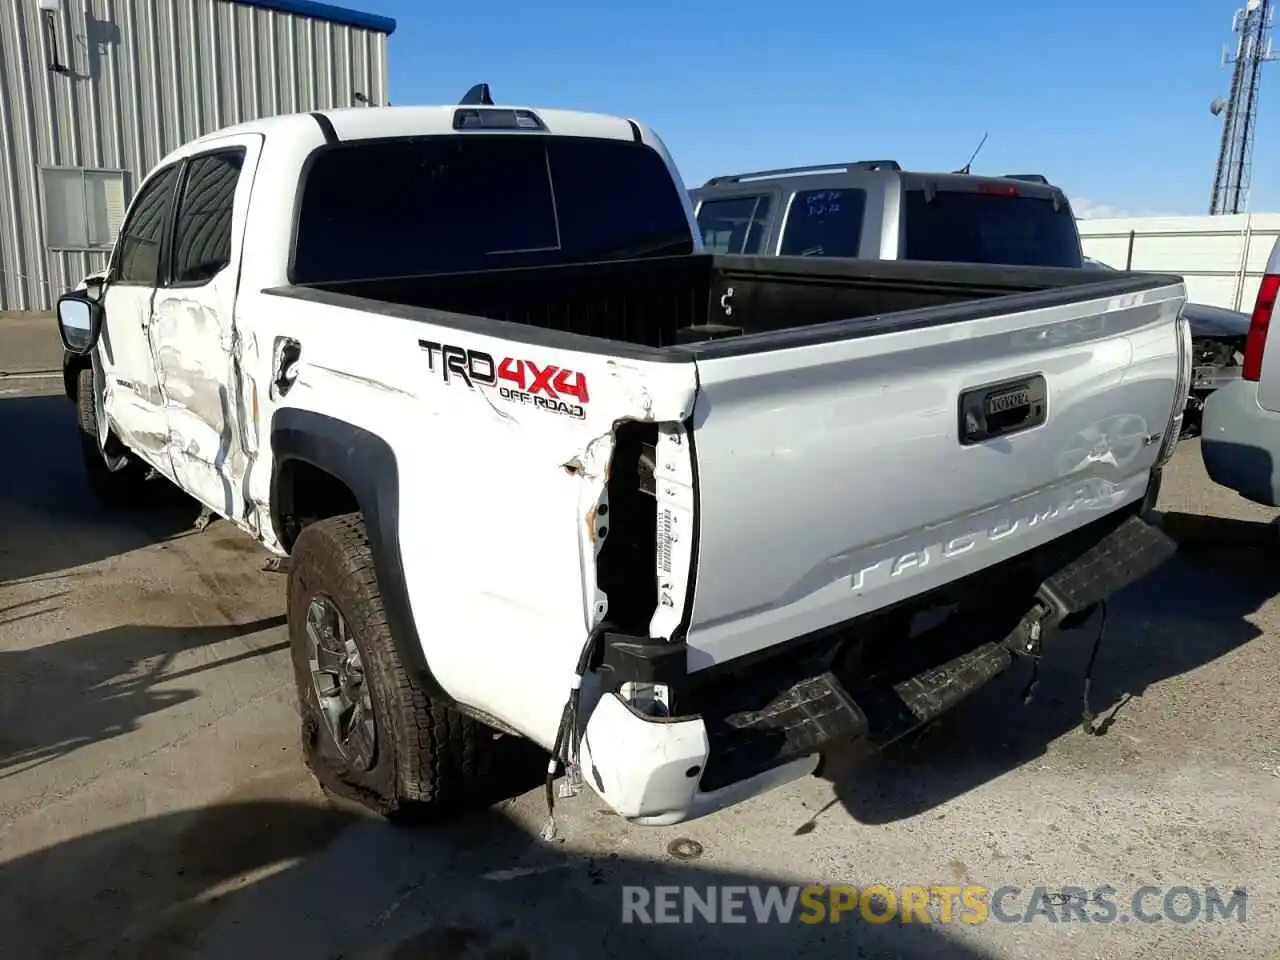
x: 1240, y: 108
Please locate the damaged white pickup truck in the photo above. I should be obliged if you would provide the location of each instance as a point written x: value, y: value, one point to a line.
x: 546, y: 472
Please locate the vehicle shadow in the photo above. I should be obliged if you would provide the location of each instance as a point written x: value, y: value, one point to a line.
x: 49, y: 519
x: 289, y: 879
x: 1186, y: 614
x: 102, y: 684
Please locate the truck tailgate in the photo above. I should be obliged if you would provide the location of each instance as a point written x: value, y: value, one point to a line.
x: 845, y: 468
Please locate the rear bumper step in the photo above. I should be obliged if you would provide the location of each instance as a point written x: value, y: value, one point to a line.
x: 820, y: 710
x: 797, y: 722
x: 1126, y: 555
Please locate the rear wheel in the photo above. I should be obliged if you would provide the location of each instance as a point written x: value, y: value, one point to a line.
x: 369, y: 731
x: 126, y: 486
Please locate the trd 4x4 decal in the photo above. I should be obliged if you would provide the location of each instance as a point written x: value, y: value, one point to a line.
x: 549, y: 387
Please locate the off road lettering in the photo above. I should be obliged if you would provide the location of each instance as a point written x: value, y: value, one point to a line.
x: 575, y: 410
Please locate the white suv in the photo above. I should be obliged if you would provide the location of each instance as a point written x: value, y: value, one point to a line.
x: 1241, y: 425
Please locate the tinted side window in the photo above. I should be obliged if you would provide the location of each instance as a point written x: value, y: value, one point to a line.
x: 825, y: 223
x: 202, y: 238
x: 733, y: 224
x: 142, y: 238
x: 405, y: 207
x: 989, y: 228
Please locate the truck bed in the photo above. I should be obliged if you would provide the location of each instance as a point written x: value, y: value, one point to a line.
x: 877, y: 430
x: 667, y: 301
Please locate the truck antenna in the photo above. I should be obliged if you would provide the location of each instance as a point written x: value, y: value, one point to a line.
x: 973, y: 156
x: 477, y: 96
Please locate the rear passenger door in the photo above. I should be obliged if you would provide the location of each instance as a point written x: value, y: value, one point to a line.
x: 193, y: 333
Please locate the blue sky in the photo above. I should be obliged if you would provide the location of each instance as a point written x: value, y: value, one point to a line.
x: 1108, y: 99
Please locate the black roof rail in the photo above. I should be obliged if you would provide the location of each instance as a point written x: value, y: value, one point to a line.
x: 809, y: 168
x: 1027, y: 177
x: 477, y: 96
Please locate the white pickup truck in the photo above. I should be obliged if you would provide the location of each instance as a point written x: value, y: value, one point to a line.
x: 544, y: 471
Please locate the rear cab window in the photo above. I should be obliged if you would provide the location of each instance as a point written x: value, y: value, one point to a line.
x: 824, y: 223
x: 735, y: 224
x: 447, y: 204
x: 994, y: 225
x: 202, y: 234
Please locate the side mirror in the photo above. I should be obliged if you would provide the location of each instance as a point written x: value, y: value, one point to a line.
x: 79, y: 323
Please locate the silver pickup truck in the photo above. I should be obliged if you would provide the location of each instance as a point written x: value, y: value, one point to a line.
x: 874, y: 209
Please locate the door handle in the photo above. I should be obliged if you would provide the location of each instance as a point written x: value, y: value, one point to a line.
x: 1000, y: 409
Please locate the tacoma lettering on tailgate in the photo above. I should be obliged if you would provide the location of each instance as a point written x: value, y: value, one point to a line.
x: 516, y: 380
x: 965, y: 535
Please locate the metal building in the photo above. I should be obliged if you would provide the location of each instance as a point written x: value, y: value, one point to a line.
x: 94, y: 92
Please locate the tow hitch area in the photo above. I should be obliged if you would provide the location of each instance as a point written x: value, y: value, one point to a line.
x: 821, y: 710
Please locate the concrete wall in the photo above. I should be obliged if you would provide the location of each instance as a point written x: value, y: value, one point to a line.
x: 1221, y: 258
x: 138, y: 79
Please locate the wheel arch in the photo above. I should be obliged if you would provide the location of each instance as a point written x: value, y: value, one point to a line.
x: 306, y: 445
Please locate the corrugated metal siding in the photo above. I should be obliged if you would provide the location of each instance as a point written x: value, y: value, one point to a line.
x: 145, y: 76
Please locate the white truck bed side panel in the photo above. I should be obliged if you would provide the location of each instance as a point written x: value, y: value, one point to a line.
x: 497, y: 494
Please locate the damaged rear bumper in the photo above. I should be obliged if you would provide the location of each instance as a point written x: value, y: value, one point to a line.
x: 767, y: 724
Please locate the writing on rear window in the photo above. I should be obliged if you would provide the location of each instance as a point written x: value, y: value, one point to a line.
x: 545, y: 387
x: 824, y: 223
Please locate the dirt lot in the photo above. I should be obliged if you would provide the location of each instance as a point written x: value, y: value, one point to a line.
x: 153, y: 802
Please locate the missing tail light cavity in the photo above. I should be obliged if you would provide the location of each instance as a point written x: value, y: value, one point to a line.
x: 625, y: 565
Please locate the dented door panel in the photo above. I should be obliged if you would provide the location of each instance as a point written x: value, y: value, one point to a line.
x: 132, y: 400
x: 193, y: 336
x: 196, y: 379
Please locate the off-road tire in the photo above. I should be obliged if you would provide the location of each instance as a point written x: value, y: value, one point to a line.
x: 430, y: 761
x: 126, y: 487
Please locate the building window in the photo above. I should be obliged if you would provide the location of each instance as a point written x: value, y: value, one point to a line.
x: 83, y: 208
